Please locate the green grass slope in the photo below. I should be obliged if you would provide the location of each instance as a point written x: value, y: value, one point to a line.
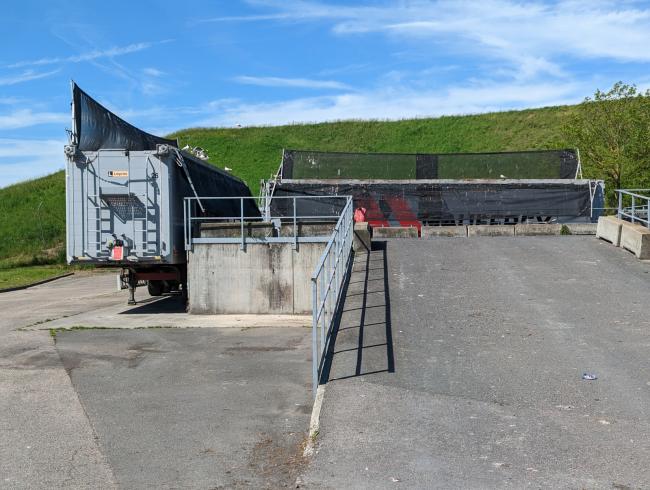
x: 254, y: 153
x: 32, y: 214
x: 32, y: 222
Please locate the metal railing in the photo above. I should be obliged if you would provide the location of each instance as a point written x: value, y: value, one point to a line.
x: 327, y: 283
x: 633, y: 205
x: 290, y: 214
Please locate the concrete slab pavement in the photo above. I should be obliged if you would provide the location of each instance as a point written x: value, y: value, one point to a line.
x: 490, y: 339
x: 190, y: 408
x: 47, y: 441
x: 195, y: 408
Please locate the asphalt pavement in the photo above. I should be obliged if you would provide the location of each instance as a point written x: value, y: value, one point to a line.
x: 459, y: 364
x: 140, y: 407
x: 195, y: 408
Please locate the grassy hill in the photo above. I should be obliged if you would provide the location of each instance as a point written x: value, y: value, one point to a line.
x: 32, y: 222
x: 254, y: 153
x: 32, y: 214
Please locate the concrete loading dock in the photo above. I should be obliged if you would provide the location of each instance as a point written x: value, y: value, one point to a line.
x: 263, y: 278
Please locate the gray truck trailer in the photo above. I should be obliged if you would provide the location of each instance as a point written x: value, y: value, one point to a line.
x: 125, y: 193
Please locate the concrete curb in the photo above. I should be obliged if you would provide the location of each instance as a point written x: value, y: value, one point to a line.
x: 471, y: 231
x: 37, y: 283
x: 314, y: 423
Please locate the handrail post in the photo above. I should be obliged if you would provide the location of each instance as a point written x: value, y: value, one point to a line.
x: 185, y: 223
x: 314, y: 335
x: 241, y: 221
x: 633, y: 209
x: 619, y: 215
x: 295, y: 231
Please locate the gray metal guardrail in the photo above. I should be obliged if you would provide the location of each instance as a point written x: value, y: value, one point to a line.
x: 332, y: 269
x: 327, y: 283
x: 633, y: 205
x: 292, y: 216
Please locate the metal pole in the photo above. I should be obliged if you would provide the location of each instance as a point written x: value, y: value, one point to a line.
x: 633, y: 209
x: 241, y: 220
x: 620, y: 204
x: 295, y: 231
x: 185, y: 223
x: 314, y: 335
x: 323, y: 299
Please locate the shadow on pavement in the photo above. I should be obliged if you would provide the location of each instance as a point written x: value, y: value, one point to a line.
x: 362, y: 340
x: 165, y: 304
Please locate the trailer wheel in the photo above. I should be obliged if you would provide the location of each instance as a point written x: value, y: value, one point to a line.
x: 155, y: 288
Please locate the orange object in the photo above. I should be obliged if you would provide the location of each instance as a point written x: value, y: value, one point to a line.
x: 117, y: 253
x: 360, y: 215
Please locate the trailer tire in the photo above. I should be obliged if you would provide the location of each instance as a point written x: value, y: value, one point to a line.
x: 155, y: 288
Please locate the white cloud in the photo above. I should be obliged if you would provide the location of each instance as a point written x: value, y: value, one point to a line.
x: 22, y: 159
x: 504, y: 28
x: 290, y: 82
x: 25, y: 76
x: 89, y: 56
x: 394, y: 103
x: 153, y: 72
x: 23, y: 118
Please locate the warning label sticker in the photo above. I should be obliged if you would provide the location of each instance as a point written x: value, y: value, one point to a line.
x: 118, y: 173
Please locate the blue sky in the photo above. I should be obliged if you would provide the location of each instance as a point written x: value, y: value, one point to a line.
x: 169, y: 65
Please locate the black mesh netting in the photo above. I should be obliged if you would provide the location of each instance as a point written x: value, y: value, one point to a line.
x: 542, y: 164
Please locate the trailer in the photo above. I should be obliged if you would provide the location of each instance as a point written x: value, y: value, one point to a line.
x: 125, y: 192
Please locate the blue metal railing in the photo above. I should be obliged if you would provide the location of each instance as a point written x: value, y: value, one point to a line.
x: 633, y: 205
x: 327, y: 284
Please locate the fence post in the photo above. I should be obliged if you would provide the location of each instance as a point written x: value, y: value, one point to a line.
x: 185, y: 224
x: 241, y: 220
x: 314, y: 334
x: 295, y: 231
x: 619, y: 214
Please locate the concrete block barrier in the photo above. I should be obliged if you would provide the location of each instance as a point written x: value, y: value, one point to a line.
x: 490, y: 230
x: 395, y: 232
x: 536, y: 229
x: 361, y: 241
x: 443, y: 231
x: 609, y: 228
x: 581, y: 228
x: 636, y: 239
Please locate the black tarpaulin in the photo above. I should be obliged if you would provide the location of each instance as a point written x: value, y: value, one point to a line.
x: 410, y: 203
x: 97, y: 128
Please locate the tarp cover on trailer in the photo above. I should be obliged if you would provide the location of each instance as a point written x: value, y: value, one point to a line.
x: 97, y: 128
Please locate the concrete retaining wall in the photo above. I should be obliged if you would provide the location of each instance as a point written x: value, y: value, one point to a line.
x: 609, y: 228
x: 361, y: 241
x: 263, y: 279
x: 581, y: 228
x: 445, y: 231
x: 395, y: 232
x: 636, y: 239
x: 524, y: 229
x: 490, y: 230
x: 538, y: 229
